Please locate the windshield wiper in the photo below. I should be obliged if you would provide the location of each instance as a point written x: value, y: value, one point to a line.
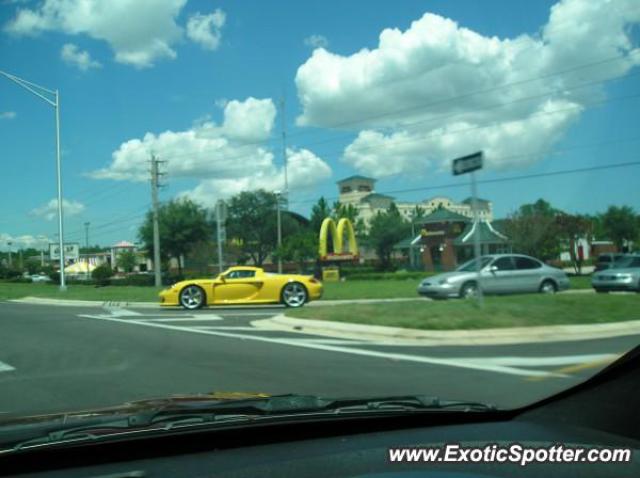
x: 211, y: 412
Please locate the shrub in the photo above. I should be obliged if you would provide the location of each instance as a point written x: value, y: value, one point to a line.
x: 102, y: 274
x: 135, y: 280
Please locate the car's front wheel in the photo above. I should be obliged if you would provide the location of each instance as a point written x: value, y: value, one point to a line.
x: 192, y: 297
x: 294, y: 294
x: 469, y: 290
x: 548, y: 287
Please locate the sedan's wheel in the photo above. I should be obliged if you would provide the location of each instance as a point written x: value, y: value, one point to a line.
x: 192, y: 297
x: 548, y: 287
x: 294, y: 294
x: 469, y: 290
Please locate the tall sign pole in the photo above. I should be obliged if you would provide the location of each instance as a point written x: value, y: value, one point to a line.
x: 463, y: 165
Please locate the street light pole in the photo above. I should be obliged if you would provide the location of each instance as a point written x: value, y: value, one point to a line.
x: 40, y: 92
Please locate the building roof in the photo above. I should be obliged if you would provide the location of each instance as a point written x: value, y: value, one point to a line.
x: 124, y: 244
x: 408, y: 242
x: 442, y: 214
x: 480, y: 201
x: 368, y: 197
x: 356, y: 176
x: 488, y: 235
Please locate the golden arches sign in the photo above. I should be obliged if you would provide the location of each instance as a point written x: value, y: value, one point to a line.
x: 337, y: 235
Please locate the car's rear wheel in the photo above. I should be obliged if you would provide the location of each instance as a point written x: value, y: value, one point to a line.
x: 468, y: 290
x: 294, y: 294
x: 548, y: 287
x: 192, y: 297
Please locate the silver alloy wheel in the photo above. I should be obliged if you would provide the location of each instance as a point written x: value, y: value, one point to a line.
x: 469, y: 291
x: 192, y: 297
x: 294, y: 294
x: 548, y: 287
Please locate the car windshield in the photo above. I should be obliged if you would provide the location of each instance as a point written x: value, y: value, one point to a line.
x: 263, y: 198
x: 472, y: 265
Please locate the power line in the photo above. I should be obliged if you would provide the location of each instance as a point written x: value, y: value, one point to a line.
x: 433, y: 103
x: 500, y: 180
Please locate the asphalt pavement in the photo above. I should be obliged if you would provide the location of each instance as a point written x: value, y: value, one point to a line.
x: 59, y: 358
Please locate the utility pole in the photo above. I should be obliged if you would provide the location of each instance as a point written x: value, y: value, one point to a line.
x: 285, y: 159
x: 9, y: 243
x: 156, y: 227
x: 279, y: 225
x: 221, y: 233
x: 86, y: 234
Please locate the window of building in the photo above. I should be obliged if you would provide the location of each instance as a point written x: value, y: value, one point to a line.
x: 364, y: 188
x: 345, y: 189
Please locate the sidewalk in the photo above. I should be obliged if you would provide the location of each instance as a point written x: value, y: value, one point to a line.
x: 403, y: 336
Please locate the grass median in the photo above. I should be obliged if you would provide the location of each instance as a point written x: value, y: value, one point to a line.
x: 499, y: 312
x: 9, y: 290
x: 356, y: 289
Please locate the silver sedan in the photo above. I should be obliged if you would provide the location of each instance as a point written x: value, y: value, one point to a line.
x: 499, y: 274
x: 624, y: 277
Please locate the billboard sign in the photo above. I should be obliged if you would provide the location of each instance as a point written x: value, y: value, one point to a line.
x: 71, y: 251
x: 466, y: 164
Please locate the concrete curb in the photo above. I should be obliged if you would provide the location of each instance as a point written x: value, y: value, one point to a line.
x: 84, y: 303
x: 402, y: 336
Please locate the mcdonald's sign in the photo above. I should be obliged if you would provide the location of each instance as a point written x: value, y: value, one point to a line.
x: 337, y: 233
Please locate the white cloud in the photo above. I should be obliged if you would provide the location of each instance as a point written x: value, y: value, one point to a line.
x: 24, y: 241
x: 81, y: 59
x: 408, y: 96
x: 49, y: 211
x: 226, y: 158
x: 139, y: 31
x: 206, y: 30
x: 8, y: 115
x: 316, y: 41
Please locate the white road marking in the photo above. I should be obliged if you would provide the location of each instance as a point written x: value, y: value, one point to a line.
x: 224, y: 327
x: 5, y: 367
x: 452, y: 362
x: 182, y: 319
x: 544, y: 361
x: 120, y: 312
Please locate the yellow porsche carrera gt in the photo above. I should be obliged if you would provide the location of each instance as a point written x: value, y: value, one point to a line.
x: 243, y: 285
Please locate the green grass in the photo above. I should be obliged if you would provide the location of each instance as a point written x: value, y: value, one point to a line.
x: 10, y: 290
x: 506, y: 311
x: 355, y: 289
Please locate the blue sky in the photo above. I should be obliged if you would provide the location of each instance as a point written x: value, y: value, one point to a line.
x: 398, y: 111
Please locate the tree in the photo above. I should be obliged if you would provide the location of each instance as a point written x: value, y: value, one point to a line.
x: 620, y: 224
x: 385, y: 231
x: 252, y: 223
x: 127, y: 260
x: 183, y: 223
x: 533, y: 230
x: 570, y: 228
x: 300, y: 248
x: 319, y: 212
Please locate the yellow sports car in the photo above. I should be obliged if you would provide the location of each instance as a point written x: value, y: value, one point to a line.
x: 243, y: 285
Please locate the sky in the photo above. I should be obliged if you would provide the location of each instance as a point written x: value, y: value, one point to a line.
x: 390, y: 90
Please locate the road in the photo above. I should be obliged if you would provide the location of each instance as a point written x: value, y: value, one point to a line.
x: 55, y: 358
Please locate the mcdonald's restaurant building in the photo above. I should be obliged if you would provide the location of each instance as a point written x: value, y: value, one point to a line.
x: 444, y: 239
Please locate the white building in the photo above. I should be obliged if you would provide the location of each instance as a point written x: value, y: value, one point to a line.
x: 359, y: 191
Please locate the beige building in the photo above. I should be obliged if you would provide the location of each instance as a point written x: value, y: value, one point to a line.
x: 359, y: 191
